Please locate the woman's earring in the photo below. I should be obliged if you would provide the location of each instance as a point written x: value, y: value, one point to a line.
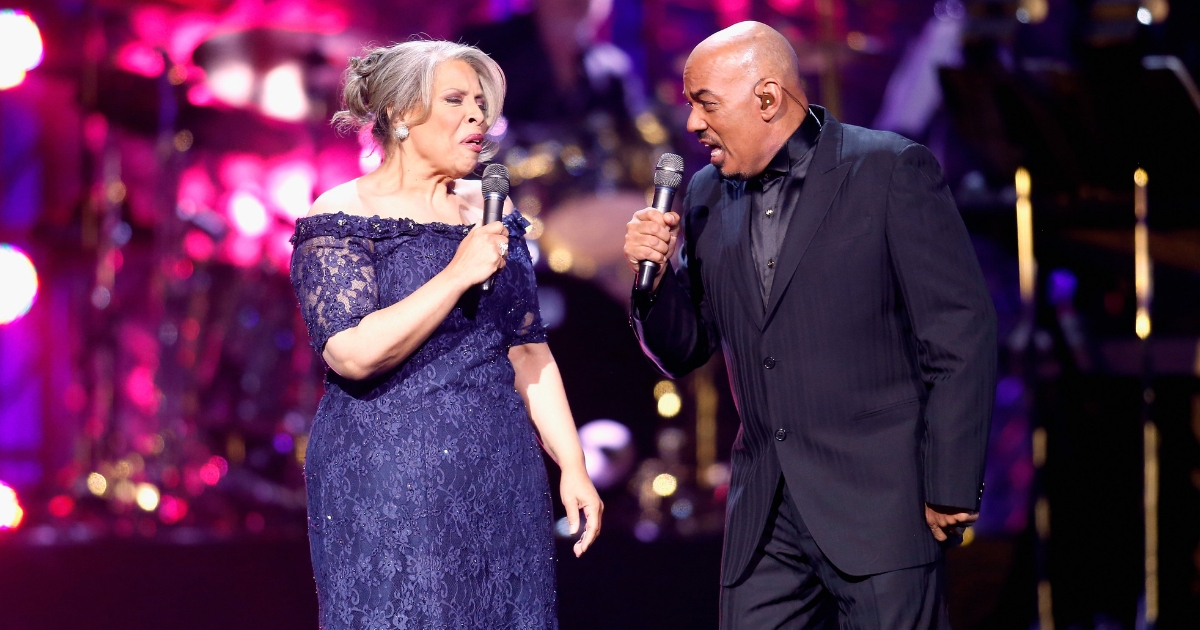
x: 401, y: 132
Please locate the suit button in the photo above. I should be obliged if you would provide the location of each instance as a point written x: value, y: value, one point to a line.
x: 781, y: 435
x: 769, y: 362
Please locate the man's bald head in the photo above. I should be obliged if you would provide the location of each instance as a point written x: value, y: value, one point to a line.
x: 743, y: 84
x: 751, y: 47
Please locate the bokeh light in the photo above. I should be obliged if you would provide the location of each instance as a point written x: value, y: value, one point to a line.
x: 248, y: 214
x: 11, y: 513
x: 21, y: 48
x: 561, y: 260
x: 663, y: 388
x: 20, y: 283
x: 669, y: 405
x: 212, y: 471
x: 61, y: 506
x: 147, y: 496
x: 232, y: 83
x: 664, y: 485
x: 97, y: 484
x: 283, y: 94
x: 171, y: 509
x: 608, y: 453
x: 290, y: 188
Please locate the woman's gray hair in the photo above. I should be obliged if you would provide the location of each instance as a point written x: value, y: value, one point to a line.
x: 399, y: 79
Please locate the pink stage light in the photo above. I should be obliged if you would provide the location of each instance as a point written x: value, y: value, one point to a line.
x: 283, y: 94
x: 172, y: 509
x: 232, y: 83
x: 21, y: 284
x: 201, y: 95
x: 21, y: 48
x: 140, y: 388
x: 196, y: 191
x: 370, y: 154
x: 151, y: 23
x: 290, y: 187
x: 787, y: 7
x: 243, y: 251
x: 139, y: 58
x: 11, y: 513
x: 61, y: 506
x: 240, y: 171
x: 248, y: 214
x: 279, y: 248
x: 730, y: 12
x: 209, y: 474
x: 198, y: 245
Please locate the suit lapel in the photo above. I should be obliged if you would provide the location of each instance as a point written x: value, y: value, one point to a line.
x: 824, y: 179
x: 736, y: 237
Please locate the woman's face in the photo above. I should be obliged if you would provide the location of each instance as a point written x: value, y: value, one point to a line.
x: 452, y: 137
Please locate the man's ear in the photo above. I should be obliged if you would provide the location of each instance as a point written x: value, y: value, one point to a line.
x: 770, y: 97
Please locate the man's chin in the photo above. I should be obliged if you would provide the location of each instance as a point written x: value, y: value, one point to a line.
x: 729, y: 173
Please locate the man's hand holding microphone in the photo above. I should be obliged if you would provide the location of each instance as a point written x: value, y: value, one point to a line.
x: 652, y: 233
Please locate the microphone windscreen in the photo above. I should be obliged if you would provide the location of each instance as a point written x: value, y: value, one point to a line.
x: 669, y: 172
x: 495, y: 180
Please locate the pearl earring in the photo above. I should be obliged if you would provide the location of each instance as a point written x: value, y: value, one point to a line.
x: 401, y: 132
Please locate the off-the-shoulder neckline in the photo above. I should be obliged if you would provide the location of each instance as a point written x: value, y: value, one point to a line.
x: 388, y: 226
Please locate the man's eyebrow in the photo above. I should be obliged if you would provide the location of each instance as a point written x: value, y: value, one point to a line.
x: 698, y: 94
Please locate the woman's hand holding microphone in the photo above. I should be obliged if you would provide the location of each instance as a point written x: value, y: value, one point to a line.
x: 483, y: 252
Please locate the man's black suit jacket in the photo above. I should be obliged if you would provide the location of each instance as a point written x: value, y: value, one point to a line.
x: 868, y: 380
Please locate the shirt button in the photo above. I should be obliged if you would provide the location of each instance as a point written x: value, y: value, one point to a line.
x: 770, y: 211
x: 771, y: 264
x: 769, y: 362
x: 781, y: 435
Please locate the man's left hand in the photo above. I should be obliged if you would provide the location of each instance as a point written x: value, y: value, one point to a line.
x: 945, y: 521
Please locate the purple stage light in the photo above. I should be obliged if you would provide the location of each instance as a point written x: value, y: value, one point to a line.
x: 21, y: 48
x: 20, y: 284
x: 607, y: 451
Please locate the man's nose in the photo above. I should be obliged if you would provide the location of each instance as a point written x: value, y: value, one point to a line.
x: 695, y: 122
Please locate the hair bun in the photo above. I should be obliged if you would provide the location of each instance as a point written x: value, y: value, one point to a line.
x: 364, y: 66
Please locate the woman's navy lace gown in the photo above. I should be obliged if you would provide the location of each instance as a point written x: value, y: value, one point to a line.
x: 428, y: 505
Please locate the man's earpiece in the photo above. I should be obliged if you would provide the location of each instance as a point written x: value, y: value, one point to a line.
x: 766, y: 100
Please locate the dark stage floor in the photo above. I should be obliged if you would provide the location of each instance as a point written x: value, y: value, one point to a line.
x: 622, y: 584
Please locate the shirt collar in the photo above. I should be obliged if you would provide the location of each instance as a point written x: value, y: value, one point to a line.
x: 800, y: 143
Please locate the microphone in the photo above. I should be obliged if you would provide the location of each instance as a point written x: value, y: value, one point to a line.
x: 495, y: 189
x: 667, y: 177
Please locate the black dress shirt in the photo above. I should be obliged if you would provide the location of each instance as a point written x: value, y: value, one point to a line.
x: 773, y: 198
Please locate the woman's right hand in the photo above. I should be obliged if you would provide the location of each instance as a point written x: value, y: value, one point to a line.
x: 479, y: 254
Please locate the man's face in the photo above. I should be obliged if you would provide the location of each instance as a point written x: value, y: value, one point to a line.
x: 725, y: 114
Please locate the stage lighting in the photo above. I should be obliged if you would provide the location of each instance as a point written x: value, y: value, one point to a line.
x: 664, y: 485
x: 20, y: 284
x: 608, y: 453
x: 11, y: 513
x: 283, y: 94
x: 147, y: 496
x: 290, y: 187
x: 232, y: 83
x: 21, y: 48
x: 248, y: 215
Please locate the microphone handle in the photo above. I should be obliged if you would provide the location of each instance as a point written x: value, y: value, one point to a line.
x: 648, y: 270
x: 493, y: 209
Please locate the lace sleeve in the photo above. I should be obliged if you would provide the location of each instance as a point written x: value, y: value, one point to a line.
x: 529, y: 327
x: 334, y: 280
